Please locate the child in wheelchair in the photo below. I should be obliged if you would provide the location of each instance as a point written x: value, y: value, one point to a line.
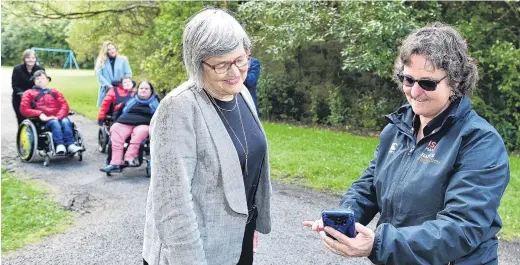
x: 115, y: 98
x: 133, y: 121
x: 110, y: 107
x: 51, y: 108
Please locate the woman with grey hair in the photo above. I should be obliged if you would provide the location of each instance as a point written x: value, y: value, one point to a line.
x: 210, y: 187
x: 439, y: 172
x: 21, y: 80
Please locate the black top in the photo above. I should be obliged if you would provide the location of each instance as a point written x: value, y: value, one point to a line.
x: 139, y: 114
x: 435, y: 122
x: 21, y: 78
x: 256, y: 143
x: 112, y: 62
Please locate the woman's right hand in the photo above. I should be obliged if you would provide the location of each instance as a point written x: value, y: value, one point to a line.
x: 44, y: 117
x: 314, y: 225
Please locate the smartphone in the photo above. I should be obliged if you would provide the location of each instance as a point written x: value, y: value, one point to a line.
x: 340, y: 219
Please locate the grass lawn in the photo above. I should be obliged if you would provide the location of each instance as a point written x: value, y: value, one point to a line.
x: 316, y: 158
x: 27, y: 213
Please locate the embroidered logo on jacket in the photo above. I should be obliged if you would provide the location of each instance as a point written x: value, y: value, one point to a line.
x: 428, y: 158
x: 431, y: 146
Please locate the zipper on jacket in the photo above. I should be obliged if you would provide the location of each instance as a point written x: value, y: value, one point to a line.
x: 406, y: 164
x: 410, y: 152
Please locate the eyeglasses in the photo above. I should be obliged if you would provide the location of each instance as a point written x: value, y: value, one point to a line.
x: 426, y: 84
x: 241, y: 63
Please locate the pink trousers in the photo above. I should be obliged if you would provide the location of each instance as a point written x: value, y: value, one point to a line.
x: 118, y: 134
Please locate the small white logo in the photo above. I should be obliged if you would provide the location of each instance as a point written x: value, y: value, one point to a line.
x: 428, y: 158
x: 393, y: 148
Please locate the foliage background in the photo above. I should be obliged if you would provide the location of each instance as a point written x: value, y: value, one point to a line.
x: 324, y: 63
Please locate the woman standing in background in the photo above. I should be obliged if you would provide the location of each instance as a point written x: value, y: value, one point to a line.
x: 110, y: 68
x: 21, y: 79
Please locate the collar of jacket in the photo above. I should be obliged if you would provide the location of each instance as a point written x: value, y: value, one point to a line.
x: 403, y: 117
x: 39, y: 88
x: 35, y: 68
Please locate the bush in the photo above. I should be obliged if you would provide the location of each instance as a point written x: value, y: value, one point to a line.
x: 279, y: 99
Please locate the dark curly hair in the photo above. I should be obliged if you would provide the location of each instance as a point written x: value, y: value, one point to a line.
x: 445, y: 49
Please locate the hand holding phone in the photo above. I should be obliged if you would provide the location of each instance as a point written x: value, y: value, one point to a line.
x: 340, y: 219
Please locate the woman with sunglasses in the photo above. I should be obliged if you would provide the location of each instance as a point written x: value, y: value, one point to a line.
x: 439, y: 172
x: 210, y: 187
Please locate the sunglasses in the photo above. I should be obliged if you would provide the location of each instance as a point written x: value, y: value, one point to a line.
x: 425, y: 84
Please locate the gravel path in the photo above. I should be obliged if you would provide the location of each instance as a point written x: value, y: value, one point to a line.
x: 108, y: 228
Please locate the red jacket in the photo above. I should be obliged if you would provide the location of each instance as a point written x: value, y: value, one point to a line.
x: 50, y: 105
x: 112, y: 99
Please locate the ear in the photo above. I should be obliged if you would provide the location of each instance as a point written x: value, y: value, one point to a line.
x: 48, y: 77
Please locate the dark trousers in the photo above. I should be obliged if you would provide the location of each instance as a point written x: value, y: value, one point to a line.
x: 61, y: 131
x: 16, y: 106
x: 246, y: 258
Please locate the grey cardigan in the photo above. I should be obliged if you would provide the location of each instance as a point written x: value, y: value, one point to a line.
x: 196, y: 209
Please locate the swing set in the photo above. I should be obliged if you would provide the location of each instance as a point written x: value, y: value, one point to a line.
x: 68, y: 61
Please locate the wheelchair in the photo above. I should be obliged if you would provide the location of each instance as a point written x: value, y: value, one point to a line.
x: 105, y: 146
x: 34, y: 138
x: 142, y: 156
x: 103, y: 134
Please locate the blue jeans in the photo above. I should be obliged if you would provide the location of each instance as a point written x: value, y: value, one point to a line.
x: 61, y: 131
x: 102, y: 92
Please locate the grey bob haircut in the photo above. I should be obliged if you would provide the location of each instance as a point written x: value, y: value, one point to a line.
x: 210, y: 32
x: 444, y: 48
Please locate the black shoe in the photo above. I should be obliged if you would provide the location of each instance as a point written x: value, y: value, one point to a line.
x: 111, y: 169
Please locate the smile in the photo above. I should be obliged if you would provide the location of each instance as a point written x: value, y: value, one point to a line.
x: 420, y: 100
x: 232, y: 81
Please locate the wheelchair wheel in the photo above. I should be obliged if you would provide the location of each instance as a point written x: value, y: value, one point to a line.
x: 27, y: 141
x: 78, y: 139
x: 102, y: 140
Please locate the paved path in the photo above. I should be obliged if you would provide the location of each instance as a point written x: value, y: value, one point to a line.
x: 108, y: 228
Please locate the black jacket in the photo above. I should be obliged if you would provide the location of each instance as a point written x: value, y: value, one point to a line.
x: 438, y: 197
x: 21, y: 78
x: 137, y: 111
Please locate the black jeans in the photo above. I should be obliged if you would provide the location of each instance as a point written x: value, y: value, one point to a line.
x: 246, y: 258
x: 16, y: 106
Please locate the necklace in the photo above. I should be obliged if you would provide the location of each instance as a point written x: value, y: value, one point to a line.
x: 220, y: 108
x: 246, y: 149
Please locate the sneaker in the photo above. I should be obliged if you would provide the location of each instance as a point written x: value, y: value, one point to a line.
x: 73, y: 149
x: 111, y: 169
x: 61, y: 150
x: 132, y: 163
